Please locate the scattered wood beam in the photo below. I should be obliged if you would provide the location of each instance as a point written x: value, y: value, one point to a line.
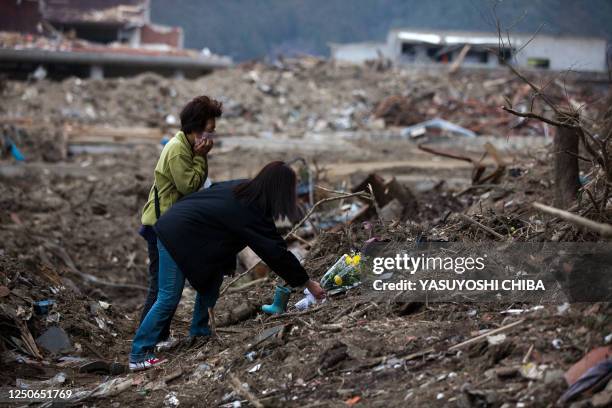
x: 485, y: 335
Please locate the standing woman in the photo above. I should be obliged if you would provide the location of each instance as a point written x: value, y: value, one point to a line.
x: 199, y: 238
x: 181, y: 169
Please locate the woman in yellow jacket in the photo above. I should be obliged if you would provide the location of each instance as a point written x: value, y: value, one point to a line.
x: 182, y: 168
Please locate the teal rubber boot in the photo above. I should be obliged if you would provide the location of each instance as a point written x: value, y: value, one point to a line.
x: 281, y: 298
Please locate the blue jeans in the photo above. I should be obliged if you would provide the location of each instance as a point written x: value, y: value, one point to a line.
x: 171, y: 283
x: 148, y: 233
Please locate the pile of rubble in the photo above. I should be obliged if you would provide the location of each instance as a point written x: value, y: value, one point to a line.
x: 298, y: 99
x: 72, y: 266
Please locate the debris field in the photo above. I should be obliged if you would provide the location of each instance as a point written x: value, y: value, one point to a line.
x: 435, y: 156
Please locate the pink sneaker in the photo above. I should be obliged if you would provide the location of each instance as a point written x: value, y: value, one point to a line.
x: 146, y: 364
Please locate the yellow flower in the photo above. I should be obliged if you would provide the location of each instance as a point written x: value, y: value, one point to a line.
x: 356, y: 260
x: 348, y: 260
x: 338, y: 280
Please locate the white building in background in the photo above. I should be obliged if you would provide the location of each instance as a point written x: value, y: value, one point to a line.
x: 359, y: 52
x: 475, y: 49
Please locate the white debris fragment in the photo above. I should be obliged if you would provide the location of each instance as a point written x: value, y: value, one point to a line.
x: 171, y: 400
x: 496, y: 339
x: 171, y: 119
x: 563, y: 309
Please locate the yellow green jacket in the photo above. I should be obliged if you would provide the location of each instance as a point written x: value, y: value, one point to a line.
x: 178, y: 172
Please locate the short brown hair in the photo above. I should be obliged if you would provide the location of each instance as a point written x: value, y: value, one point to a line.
x: 198, y: 111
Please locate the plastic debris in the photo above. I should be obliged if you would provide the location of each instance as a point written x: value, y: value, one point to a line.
x: 562, y: 309
x: 352, y: 401
x: 171, y: 119
x: 16, y: 153
x: 592, y: 358
x: 165, y: 345
x: 521, y: 311
x: 101, y: 323
x: 390, y: 363
x: 54, y: 340
x: 420, y: 128
x: 42, y: 307
x: 594, y: 379
x: 306, y: 302
x: 201, y: 371
x: 532, y: 371
x: 171, y: 400
x: 250, y: 356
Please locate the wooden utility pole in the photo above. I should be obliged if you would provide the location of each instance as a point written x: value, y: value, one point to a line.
x: 565, y: 156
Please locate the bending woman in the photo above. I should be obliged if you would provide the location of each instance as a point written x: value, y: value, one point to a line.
x: 199, y: 238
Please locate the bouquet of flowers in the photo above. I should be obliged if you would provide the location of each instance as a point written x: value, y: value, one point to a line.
x: 345, y: 273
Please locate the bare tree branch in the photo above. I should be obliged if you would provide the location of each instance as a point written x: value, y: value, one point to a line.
x: 532, y: 115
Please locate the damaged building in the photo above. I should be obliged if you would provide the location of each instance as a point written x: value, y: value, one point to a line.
x: 480, y: 50
x: 94, y: 38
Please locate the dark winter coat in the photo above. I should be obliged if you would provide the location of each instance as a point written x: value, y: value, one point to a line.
x: 205, y: 231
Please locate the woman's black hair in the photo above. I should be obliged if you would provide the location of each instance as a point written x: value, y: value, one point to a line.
x: 273, y: 190
x: 197, y: 112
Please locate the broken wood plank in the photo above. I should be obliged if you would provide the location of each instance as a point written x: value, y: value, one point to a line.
x: 483, y: 336
x: 457, y: 63
x: 28, y: 340
x: 106, y: 134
